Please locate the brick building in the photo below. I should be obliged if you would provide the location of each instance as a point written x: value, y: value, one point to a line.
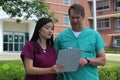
x: 108, y: 18
x: 108, y: 21
x: 13, y: 35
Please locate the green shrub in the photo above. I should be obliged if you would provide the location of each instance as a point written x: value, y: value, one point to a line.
x: 112, y: 50
x: 11, y: 72
x: 16, y: 72
x: 118, y: 72
x: 109, y: 73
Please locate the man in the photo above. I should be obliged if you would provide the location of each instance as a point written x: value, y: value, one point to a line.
x: 86, y: 39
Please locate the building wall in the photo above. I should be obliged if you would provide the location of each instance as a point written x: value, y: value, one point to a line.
x: 59, y: 9
x: 1, y: 35
x: 13, y: 26
x: 88, y: 13
x: 106, y: 32
x: 10, y: 27
x: 31, y: 27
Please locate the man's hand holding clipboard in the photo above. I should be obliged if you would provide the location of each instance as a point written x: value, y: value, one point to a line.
x: 69, y: 58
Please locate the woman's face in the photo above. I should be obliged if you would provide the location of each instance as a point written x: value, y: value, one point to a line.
x: 46, y: 31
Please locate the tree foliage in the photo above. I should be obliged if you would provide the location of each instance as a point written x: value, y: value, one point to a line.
x: 27, y: 9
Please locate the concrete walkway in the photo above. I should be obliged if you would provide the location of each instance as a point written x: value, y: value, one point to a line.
x: 9, y: 56
x: 14, y: 56
x: 114, y: 57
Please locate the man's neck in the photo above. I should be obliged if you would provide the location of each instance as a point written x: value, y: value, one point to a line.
x: 77, y: 29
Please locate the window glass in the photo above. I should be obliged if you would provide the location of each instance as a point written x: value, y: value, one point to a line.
x: 5, y: 47
x: 14, y: 42
x: 117, y: 5
x: 117, y: 24
x: 21, y: 38
x: 16, y: 38
x: 16, y: 47
x: 10, y: 38
x: 21, y: 46
x: 116, y: 42
x: 102, y: 4
x: 5, y: 38
x: 76, y: 1
x: 66, y: 20
x: 10, y: 47
x: 66, y: 2
x: 103, y: 23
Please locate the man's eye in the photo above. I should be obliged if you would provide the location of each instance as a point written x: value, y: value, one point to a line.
x: 78, y: 17
x: 52, y: 29
x: 72, y: 17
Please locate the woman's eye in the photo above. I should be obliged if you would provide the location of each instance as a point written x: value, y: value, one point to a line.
x: 47, y: 27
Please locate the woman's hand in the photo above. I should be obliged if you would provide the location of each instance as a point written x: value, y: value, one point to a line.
x: 57, y: 68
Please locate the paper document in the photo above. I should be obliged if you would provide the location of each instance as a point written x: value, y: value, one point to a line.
x: 70, y: 58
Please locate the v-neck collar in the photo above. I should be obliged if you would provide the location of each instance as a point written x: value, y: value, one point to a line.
x: 82, y: 34
x: 41, y: 49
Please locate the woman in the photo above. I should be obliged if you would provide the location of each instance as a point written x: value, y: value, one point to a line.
x: 38, y: 55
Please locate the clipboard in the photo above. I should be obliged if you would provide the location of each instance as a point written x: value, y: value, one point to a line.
x: 70, y: 58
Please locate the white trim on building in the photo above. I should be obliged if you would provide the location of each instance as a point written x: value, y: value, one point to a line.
x: 10, y: 26
x: 1, y: 36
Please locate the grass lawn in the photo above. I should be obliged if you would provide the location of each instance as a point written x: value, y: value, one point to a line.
x: 19, y: 62
x: 112, y: 63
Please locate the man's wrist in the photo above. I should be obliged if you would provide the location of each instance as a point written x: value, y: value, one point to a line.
x: 87, y: 59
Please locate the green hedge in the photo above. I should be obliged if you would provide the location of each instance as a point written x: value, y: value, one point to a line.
x: 113, y: 50
x: 17, y: 72
x: 11, y: 72
x: 109, y: 73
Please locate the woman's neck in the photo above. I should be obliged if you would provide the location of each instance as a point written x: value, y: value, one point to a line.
x: 42, y: 43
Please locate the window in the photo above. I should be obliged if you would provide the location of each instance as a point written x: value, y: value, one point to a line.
x: 117, y: 24
x: 116, y: 41
x: 13, y: 42
x: 76, y: 1
x: 103, y: 23
x: 117, y: 5
x: 66, y: 2
x: 92, y: 24
x: 66, y: 20
x: 103, y: 5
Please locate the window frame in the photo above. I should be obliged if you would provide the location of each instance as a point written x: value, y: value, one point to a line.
x: 116, y: 41
x: 101, y: 23
x: 117, y: 24
x: 11, y: 44
x: 66, y: 21
x: 102, y: 4
x: 117, y: 9
x: 66, y: 2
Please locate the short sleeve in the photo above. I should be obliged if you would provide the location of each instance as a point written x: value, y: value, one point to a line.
x: 100, y: 42
x: 28, y: 51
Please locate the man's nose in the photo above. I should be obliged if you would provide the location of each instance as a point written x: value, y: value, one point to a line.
x: 75, y: 19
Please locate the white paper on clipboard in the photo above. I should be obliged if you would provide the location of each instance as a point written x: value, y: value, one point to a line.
x: 70, y: 58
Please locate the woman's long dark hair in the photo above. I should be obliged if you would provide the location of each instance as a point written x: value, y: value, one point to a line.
x: 40, y: 23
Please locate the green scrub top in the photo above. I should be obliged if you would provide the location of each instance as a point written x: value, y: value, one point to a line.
x: 90, y: 42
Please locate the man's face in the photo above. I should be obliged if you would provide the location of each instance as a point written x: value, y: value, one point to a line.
x: 75, y: 20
